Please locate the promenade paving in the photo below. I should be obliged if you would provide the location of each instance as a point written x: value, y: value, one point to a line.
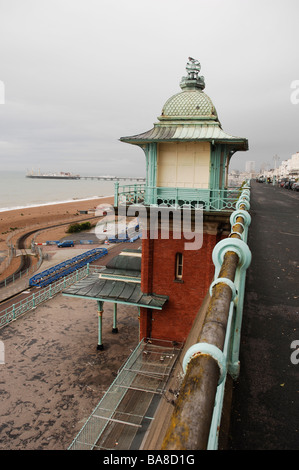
x: 266, y: 395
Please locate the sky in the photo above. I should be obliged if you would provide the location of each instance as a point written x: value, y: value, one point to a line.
x: 79, y: 74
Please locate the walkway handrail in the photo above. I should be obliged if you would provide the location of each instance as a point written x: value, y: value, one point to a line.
x: 197, y: 414
x: 20, y: 308
x: 211, y: 199
x: 14, y: 277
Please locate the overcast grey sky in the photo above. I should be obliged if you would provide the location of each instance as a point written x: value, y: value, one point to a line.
x: 79, y: 74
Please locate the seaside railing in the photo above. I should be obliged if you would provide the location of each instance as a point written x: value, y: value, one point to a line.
x: 208, y: 199
x: 23, y: 273
x: 17, y: 276
x: 196, y: 419
x: 14, y: 311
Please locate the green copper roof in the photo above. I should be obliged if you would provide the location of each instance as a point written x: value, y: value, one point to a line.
x: 189, y: 104
x: 119, y: 282
x: 187, y: 133
x: 116, y: 291
x: 189, y: 116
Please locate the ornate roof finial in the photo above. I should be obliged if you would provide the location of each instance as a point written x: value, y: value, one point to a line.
x: 193, y: 68
x: 193, y: 80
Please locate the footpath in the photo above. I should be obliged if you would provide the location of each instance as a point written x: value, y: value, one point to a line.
x: 265, y: 407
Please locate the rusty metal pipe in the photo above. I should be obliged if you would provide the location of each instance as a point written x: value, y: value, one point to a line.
x: 192, y: 416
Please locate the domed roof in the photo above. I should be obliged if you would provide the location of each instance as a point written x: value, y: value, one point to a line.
x: 189, y: 104
x: 189, y: 116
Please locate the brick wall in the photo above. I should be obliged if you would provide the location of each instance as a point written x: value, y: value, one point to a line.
x: 185, y: 297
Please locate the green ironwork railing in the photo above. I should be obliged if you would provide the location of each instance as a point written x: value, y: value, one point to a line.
x: 207, y: 199
x: 23, y: 306
x: 129, y: 194
x: 217, y: 352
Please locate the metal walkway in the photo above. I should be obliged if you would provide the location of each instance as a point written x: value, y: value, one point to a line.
x: 122, y: 417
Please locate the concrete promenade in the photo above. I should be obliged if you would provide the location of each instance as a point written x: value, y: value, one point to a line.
x: 266, y: 396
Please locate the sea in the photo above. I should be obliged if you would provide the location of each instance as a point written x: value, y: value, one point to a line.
x: 17, y: 191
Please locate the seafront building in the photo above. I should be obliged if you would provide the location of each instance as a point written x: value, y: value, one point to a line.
x: 184, y: 210
x: 187, y: 157
x: 287, y: 169
x: 186, y: 286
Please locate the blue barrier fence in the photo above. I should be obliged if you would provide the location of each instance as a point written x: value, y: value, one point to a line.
x: 16, y: 310
x: 81, y: 242
x: 66, y: 267
x: 124, y: 238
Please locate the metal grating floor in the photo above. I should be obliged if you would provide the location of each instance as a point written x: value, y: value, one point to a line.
x: 123, y: 415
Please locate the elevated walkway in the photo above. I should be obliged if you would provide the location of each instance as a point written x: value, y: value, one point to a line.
x: 121, y: 419
x: 266, y: 396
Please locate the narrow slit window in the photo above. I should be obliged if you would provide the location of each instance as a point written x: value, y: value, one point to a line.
x: 179, y: 266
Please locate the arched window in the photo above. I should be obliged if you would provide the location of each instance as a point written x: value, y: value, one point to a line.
x: 179, y: 266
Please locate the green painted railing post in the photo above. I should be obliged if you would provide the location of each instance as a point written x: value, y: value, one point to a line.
x: 114, y: 328
x: 33, y: 300
x: 135, y: 194
x: 176, y: 198
x: 87, y: 268
x: 116, y: 187
x: 100, y: 315
x: 13, y: 311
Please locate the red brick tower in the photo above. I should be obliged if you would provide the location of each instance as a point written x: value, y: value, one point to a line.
x: 187, y: 157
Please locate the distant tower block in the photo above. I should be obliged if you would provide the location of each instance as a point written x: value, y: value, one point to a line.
x: 250, y: 167
x: 187, y: 157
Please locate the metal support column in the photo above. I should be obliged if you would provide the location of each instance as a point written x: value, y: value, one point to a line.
x: 115, y: 329
x: 100, y: 345
x: 116, y: 189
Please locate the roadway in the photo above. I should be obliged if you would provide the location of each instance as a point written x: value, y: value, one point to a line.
x: 266, y: 396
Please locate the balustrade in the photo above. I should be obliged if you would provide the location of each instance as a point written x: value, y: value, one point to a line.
x: 194, y: 198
